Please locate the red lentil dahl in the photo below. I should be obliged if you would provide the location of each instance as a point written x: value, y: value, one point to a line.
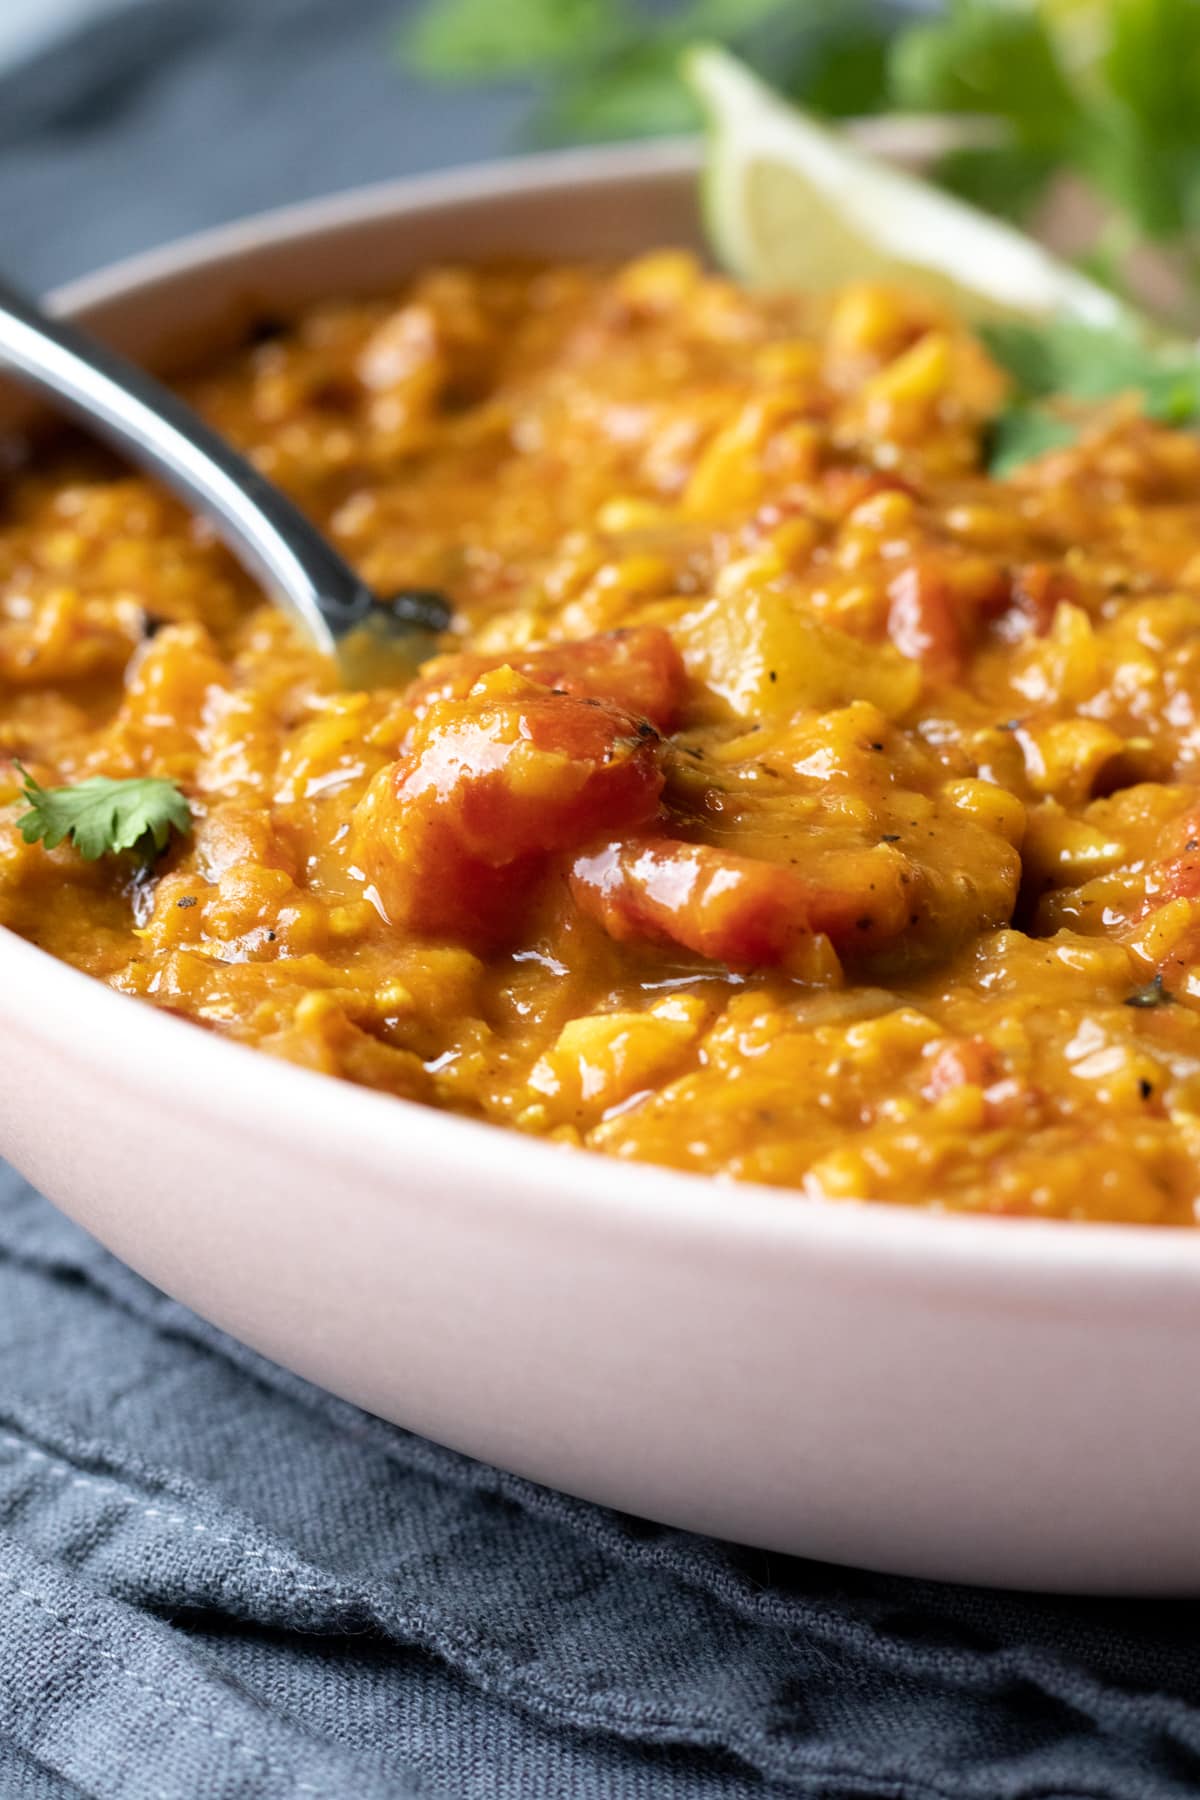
x: 798, y: 804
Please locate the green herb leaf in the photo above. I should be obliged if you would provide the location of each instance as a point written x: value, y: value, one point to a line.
x: 608, y: 68
x: 1153, y: 59
x: 728, y: 19
x: 1091, y: 362
x: 1066, y: 360
x: 1005, y: 179
x: 990, y: 57
x: 481, y: 39
x: 1023, y: 432
x: 1094, y: 93
x: 100, y: 816
x: 637, y: 94
x: 843, y: 69
x: 1151, y: 66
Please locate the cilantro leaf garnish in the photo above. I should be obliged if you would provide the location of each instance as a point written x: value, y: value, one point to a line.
x: 1049, y: 94
x: 100, y: 816
x: 1091, y: 362
x: 1063, y: 360
x: 1023, y: 432
x: 612, y: 68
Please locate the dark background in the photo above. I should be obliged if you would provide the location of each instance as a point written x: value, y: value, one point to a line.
x: 169, y: 115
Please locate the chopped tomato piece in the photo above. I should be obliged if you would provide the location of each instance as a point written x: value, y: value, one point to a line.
x: 1008, y: 1100
x: 1037, y: 589
x: 729, y: 908
x: 962, y: 1062
x: 861, y: 898
x: 639, y: 670
x: 1176, y: 877
x: 922, y: 624
x: 734, y: 909
x: 842, y: 488
x: 452, y: 836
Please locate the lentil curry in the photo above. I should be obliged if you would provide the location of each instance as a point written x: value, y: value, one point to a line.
x: 792, y: 802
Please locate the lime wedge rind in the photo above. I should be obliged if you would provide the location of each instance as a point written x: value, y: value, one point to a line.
x: 790, y: 203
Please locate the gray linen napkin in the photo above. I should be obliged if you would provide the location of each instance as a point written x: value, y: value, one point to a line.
x: 216, y: 1581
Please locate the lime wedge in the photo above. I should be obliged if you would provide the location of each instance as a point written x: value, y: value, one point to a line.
x: 790, y: 203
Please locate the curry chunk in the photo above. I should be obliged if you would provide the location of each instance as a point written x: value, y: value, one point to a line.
x: 802, y: 804
x: 734, y: 909
x: 453, y: 835
x: 640, y: 671
x: 730, y: 908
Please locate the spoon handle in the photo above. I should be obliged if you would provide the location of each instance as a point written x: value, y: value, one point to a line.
x: 156, y: 430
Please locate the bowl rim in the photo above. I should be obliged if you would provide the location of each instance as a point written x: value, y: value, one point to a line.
x: 243, y: 1089
x: 406, y: 196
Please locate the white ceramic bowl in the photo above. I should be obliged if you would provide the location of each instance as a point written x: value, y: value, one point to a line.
x: 992, y: 1400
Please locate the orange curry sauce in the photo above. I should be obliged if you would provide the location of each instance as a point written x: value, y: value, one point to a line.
x: 796, y: 804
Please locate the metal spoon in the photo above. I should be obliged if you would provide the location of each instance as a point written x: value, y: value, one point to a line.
x: 375, y: 641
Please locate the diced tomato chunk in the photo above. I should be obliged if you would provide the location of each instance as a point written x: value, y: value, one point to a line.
x: 730, y: 908
x: 861, y: 898
x: 1008, y: 1099
x: 739, y: 909
x: 1176, y: 877
x: 962, y: 1062
x: 842, y: 488
x: 1037, y: 589
x: 921, y: 621
x: 452, y: 836
x: 639, y: 670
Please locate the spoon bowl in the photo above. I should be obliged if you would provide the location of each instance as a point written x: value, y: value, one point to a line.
x: 376, y: 642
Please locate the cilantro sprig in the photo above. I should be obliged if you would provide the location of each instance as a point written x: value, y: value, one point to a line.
x: 611, y: 68
x: 1060, y: 367
x: 101, y: 816
x: 1101, y: 92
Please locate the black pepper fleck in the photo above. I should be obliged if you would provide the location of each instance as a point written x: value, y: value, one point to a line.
x: 265, y: 327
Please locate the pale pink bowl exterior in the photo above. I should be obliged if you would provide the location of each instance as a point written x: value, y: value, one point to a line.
x: 976, y: 1399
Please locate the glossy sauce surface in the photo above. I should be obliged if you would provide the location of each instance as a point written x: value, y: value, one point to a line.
x: 792, y: 802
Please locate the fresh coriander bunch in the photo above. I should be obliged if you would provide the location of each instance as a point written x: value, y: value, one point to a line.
x: 1099, y: 105
x: 1094, y: 105
x: 611, y: 68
